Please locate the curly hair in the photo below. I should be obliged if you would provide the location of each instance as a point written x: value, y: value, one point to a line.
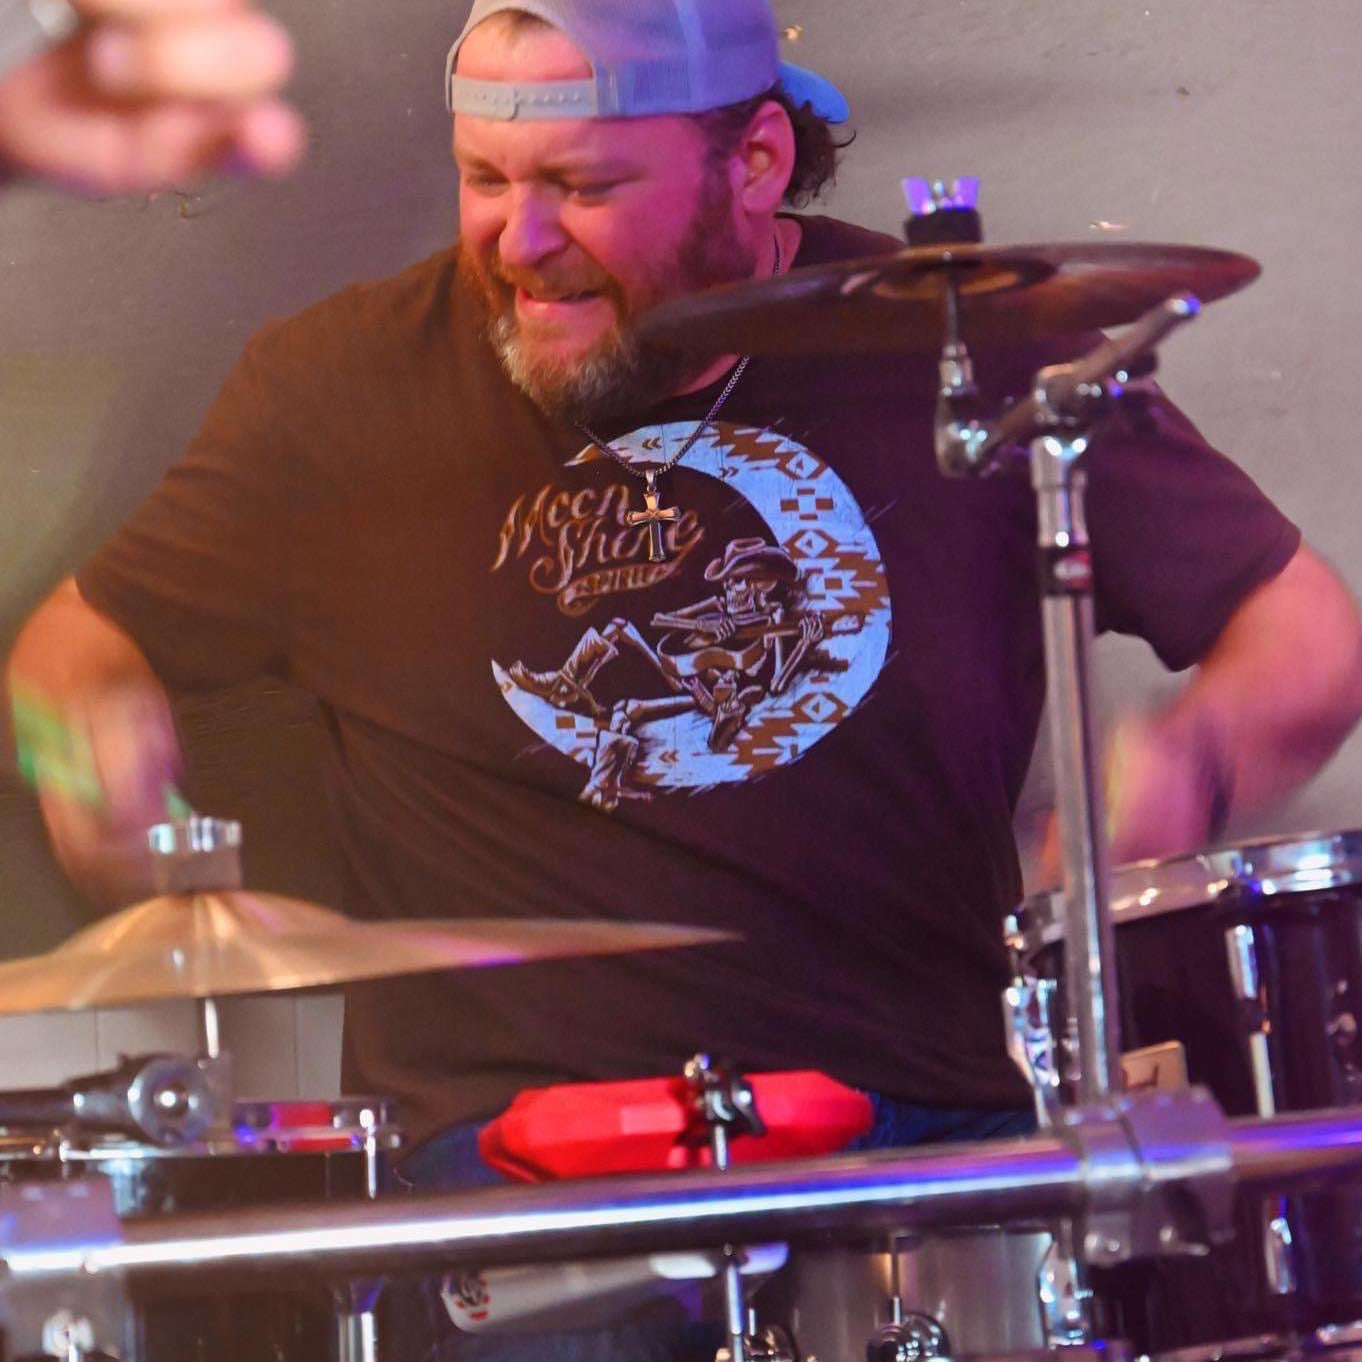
x: 817, y: 149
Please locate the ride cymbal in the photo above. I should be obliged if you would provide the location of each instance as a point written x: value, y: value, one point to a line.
x: 897, y: 301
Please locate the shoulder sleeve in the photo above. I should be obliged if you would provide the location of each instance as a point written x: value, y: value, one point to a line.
x: 1180, y: 534
x: 199, y: 575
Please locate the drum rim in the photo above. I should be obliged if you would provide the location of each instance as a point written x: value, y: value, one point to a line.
x: 1271, y: 868
x: 1248, y: 1348
x: 245, y: 1139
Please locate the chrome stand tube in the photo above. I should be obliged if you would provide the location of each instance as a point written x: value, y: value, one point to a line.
x: 357, y: 1322
x: 357, y: 1301
x: 210, y: 1028
x: 735, y: 1298
x: 1066, y: 583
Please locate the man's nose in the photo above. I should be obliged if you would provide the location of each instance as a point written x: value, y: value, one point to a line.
x: 532, y: 232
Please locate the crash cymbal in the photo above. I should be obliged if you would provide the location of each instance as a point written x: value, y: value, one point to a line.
x: 217, y: 944
x: 897, y: 301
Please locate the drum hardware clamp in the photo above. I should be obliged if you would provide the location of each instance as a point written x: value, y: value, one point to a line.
x: 167, y: 1100
x: 1133, y: 1210
x: 75, y: 1315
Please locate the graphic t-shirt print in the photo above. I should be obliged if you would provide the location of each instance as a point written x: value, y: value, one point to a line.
x: 781, y: 639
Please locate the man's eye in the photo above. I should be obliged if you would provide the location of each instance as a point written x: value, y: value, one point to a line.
x: 484, y: 184
x: 597, y: 189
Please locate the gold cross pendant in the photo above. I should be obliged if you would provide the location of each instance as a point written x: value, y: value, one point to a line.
x: 654, y: 517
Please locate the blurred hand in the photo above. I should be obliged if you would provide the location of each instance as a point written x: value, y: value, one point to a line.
x: 1160, y: 787
x: 1160, y: 790
x: 150, y: 93
x: 105, y: 770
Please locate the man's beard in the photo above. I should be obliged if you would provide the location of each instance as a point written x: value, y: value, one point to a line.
x: 619, y: 377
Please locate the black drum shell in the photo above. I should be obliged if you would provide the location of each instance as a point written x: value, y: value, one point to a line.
x: 1176, y: 983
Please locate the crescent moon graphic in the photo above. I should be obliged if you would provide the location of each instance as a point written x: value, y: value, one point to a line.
x: 811, y: 514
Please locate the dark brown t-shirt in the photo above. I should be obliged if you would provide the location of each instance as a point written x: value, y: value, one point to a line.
x: 809, y: 726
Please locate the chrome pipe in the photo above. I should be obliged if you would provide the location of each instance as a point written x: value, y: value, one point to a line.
x: 356, y: 1336
x: 1289, y: 1151
x: 583, y: 1219
x: 849, y: 1196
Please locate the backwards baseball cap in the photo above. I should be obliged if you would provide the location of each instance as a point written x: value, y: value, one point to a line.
x: 647, y: 57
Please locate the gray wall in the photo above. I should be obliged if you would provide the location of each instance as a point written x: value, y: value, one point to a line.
x: 1227, y: 122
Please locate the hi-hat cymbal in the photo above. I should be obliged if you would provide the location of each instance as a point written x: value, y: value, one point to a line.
x: 218, y: 944
x: 1007, y: 295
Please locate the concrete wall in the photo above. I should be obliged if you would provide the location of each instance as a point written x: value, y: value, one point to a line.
x: 1226, y: 122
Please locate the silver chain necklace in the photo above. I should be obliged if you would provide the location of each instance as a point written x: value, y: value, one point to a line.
x: 654, y: 515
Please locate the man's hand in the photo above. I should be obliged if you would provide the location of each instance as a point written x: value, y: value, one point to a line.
x: 106, y: 769
x: 151, y: 93
x: 1270, y: 703
x: 94, y: 733
x: 1168, y: 790
x: 1164, y: 791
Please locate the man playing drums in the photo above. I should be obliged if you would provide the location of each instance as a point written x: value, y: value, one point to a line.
x: 416, y: 499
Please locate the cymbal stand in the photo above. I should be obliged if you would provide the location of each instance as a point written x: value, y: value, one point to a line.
x: 723, y: 1102
x: 357, y: 1300
x: 193, y: 855
x: 209, y: 1027
x: 1067, y: 402
x: 357, y: 1320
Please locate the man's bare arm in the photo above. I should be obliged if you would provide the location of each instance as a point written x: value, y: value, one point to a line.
x: 93, y: 680
x: 1270, y: 703
x: 151, y: 93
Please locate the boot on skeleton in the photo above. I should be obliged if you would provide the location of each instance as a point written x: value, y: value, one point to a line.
x: 616, y: 752
x: 731, y: 706
x: 570, y: 686
x: 617, y: 749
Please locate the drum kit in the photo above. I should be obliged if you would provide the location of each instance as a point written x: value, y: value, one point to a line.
x: 1189, y: 1198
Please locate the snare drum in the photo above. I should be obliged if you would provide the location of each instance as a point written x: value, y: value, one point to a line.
x: 1244, y: 966
x: 275, y: 1152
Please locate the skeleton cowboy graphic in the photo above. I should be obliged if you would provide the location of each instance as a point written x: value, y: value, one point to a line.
x: 720, y: 656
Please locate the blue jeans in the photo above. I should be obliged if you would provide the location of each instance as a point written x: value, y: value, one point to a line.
x: 417, y: 1326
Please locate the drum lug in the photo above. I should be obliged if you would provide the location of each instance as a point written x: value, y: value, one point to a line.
x: 68, y: 1336
x: 1241, y: 946
x: 766, y: 1345
x: 1279, y: 1250
x: 1342, y: 1031
x: 1029, y: 1017
x: 1065, y: 1299
x: 914, y: 1338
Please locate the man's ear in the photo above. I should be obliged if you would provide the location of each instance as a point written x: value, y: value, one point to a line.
x: 763, y: 160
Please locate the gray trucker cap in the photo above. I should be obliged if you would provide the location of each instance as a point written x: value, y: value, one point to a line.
x: 648, y: 57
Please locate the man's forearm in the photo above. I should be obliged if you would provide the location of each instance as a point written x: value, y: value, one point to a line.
x: 68, y: 651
